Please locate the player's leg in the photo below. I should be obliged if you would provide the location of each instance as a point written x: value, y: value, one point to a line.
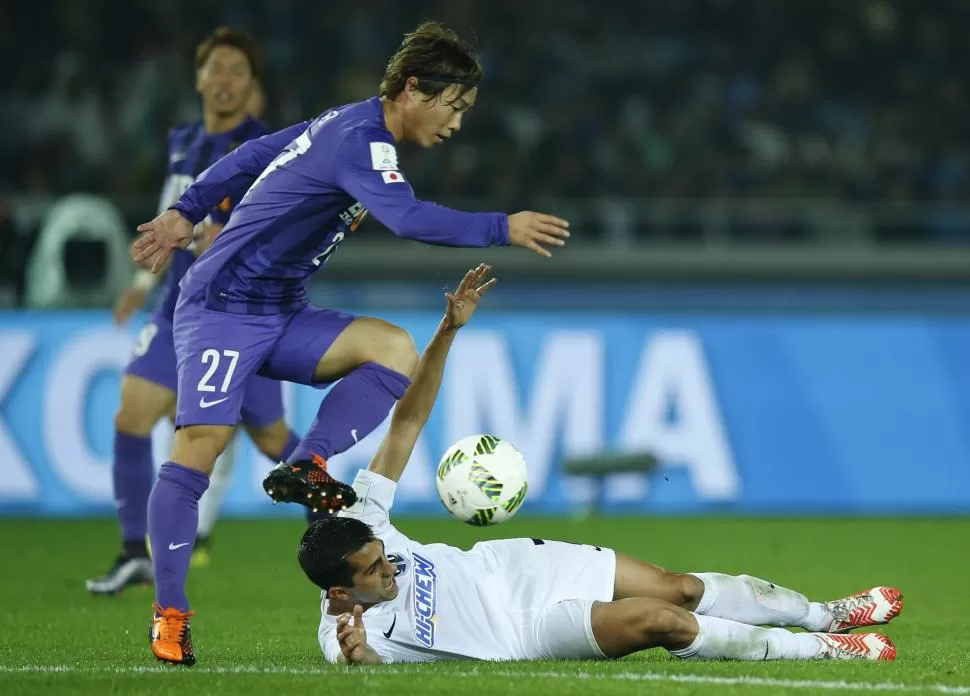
x: 626, y: 626
x: 263, y: 417
x: 218, y: 354
x: 373, y: 361
x: 752, y: 600
x: 210, y: 503
x: 147, y: 395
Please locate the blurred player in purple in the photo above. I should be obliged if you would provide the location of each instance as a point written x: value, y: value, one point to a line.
x: 228, y: 65
x: 243, y: 309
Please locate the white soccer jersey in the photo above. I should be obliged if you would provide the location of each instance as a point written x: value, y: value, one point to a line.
x: 481, y: 604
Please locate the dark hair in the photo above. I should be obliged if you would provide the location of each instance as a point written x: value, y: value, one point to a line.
x: 234, y: 38
x: 437, y: 57
x: 325, y: 547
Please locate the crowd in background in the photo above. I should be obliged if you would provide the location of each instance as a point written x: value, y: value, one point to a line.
x: 863, y: 101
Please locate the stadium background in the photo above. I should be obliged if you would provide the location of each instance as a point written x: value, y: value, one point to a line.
x: 766, y: 285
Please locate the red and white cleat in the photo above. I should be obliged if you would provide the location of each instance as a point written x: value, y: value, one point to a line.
x: 872, y: 607
x: 858, y: 646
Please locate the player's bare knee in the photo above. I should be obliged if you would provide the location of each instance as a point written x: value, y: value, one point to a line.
x: 138, y: 419
x: 687, y: 588
x: 660, y: 623
x: 270, y: 439
x: 198, y: 446
x: 398, y: 350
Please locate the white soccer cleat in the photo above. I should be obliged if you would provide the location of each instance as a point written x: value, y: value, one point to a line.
x: 872, y: 607
x: 858, y: 646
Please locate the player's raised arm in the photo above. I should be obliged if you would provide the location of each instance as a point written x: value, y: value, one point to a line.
x: 412, y: 411
x: 230, y: 177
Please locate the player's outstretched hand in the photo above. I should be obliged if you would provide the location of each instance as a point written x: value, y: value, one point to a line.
x: 353, y: 638
x: 536, y: 231
x: 463, y: 301
x: 166, y: 232
x: 128, y: 302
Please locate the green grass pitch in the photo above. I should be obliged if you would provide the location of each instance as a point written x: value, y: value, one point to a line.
x: 255, y: 632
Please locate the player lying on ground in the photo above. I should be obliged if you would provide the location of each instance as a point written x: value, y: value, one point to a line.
x: 523, y: 599
x: 228, y: 67
x: 243, y: 309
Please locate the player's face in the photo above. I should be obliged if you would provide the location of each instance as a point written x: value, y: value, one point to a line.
x: 225, y: 82
x: 373, y: 574
x: 430, y: 122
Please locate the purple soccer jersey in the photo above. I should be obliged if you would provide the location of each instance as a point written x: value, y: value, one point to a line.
x: 243, y: 309
x: 190, y: 151
x: 315, y: 183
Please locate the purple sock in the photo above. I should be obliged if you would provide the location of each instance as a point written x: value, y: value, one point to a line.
x: 173, y: 519
x: 354, y: 407
x: 132, y: 474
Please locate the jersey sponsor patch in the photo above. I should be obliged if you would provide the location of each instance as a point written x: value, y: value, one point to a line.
x: 383, y: 157
x: 353, y: 216
x: 392, y: 177
x: 425, y: 600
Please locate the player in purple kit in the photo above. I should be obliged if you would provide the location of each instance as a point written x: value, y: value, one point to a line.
x: 243, y: 310
x: 228, y: 67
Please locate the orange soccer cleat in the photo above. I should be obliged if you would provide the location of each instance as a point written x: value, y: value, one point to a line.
x: 171, y: 636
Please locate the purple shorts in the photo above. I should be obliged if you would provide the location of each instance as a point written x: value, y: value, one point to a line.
x: 220, y: 354
x: 153, y: 359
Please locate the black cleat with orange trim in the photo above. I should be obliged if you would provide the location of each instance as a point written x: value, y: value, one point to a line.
x: 308, y: 483
x: 171, y: 636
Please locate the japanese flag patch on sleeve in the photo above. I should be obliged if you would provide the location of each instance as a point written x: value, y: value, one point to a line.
x: 392, y: 177
x: 383, y: 157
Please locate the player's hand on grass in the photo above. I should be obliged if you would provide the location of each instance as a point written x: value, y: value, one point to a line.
x: 128, y: 302
x: 463, y: 301
x: 353, y: 639
x: 168, y: 231
x: 536, y: 231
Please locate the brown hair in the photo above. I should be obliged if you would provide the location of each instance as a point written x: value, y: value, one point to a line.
x: 437, y: 57
x: 235, y: 38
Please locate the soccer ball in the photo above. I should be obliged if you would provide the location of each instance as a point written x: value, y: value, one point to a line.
x: 482, y: 480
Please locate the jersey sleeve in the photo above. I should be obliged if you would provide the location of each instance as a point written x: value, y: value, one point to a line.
x: 232, y: 175
x: 375, y: 496
x: 367, y: 169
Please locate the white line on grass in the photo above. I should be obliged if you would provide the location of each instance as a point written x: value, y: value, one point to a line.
x: 504, y: 674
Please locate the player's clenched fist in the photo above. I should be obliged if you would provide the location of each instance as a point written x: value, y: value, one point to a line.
x: 535, y: 231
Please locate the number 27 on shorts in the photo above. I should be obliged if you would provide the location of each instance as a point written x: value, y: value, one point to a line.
x: 214, y: 360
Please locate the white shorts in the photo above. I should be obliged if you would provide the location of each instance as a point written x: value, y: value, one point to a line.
x: 547, y: 590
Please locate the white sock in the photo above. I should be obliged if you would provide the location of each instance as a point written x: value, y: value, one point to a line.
x: 730, y: 640
x: 758, y: 602
x: 211, y: 502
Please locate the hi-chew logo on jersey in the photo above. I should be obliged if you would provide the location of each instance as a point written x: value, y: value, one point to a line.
x: 383, y: 157
x: 353, y: 216
x: 425, y: 599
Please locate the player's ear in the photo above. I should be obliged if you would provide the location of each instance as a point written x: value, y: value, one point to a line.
x: 338, y: 593
x: 198, y: 81
x: 411, y: 89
